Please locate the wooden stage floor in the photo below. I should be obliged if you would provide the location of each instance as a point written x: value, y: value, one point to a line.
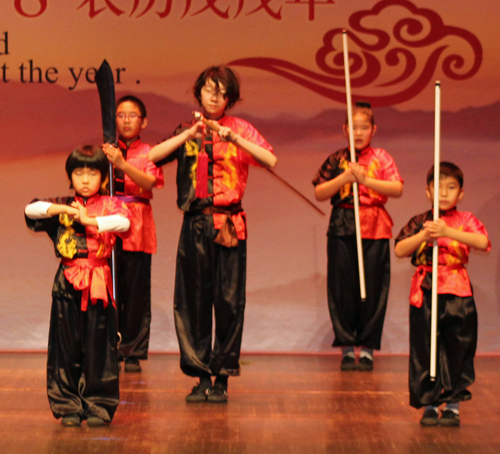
x: 280, y: 404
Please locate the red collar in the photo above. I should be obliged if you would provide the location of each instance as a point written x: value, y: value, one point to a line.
x: 363, y: 151
x: 134, y: 144
x: 90, y: 201
x: 449, y: 212
x: 445, y: 213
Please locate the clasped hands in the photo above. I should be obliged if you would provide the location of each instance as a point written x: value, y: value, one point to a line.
x: 77, y: 211
x: 435, y: 229
x: 358, y: 172
x: 225, y: 134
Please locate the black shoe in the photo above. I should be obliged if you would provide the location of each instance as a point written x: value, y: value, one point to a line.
x: 348, y: 363
x: 430, y: 418
x: 72, y: 420
x: 95, y: 421
x: 198, y: 393
x: 132, y: 365
x: 449, y: 418
x: 365, y: 364
x: 217, y: 395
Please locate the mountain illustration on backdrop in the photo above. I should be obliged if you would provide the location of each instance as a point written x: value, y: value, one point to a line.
x: 51, y: 119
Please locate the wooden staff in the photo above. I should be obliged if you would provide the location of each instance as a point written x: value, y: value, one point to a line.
x: 214, y: 126
x: 435, y: 210
x: 361, y: 265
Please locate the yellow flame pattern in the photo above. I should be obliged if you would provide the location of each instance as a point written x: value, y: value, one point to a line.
x: 345, y: 190
x: 67, y: 241
x: 192, y: 149
x: 229, y: 174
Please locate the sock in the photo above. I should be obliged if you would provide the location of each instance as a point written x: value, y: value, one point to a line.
x: 348, y: 351
x: 366, y: 353
x: 206, y: 381
x: 431, y: 407
x: 454, y: 407
x: 221, y: 381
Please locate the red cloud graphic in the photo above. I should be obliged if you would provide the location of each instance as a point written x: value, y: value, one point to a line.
x: 418, y: 44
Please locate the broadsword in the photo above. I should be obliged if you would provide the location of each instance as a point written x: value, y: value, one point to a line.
x: 106, y: 88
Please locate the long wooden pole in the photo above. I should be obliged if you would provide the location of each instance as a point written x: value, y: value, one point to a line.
x: 435, y: 250
x: 361, y: 265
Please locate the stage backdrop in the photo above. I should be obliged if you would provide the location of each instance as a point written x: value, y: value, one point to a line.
x: 289, y: 58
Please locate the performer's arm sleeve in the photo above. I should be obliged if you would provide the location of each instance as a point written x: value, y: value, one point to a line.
x: 474, y: 225
x: 41, y: 222
x: 251, y: 134
x: 413, y: 227
x: 112, y: 223
x: 37, y: 210
x: 390, y: 170
x: 409, y: 244
x: 157, y: 172
x: 175, y: 154
x: 326, y: 171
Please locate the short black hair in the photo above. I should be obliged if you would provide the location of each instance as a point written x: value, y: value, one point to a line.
x: 90, y: 156
x: 363, y: 107
x: 134, y: 100
x: 219, y: 74
x: 446, y: 169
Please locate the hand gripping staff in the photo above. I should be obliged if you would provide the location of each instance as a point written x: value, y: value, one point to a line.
x: 216, y: 127
x: 435, y: 213
x: 361, y: 265
x: 106, y: 88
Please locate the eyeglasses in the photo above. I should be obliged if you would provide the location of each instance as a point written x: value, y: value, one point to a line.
x: 130, y: 116
x: 217, y: 93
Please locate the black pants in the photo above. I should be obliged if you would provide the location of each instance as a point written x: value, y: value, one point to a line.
x: 133, y: 297
x: 356, y: 322
x: 82, y: 365
x: 456, y: 347
x: 209, y: 283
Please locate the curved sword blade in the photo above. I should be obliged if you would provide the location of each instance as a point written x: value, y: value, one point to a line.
x: 106, y: 88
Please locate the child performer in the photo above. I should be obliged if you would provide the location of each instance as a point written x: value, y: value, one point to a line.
x: 356, y: 322
x: 211, y: 258
x: 456, y: 232
x: 82, y: 364
x: 135, y: 176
